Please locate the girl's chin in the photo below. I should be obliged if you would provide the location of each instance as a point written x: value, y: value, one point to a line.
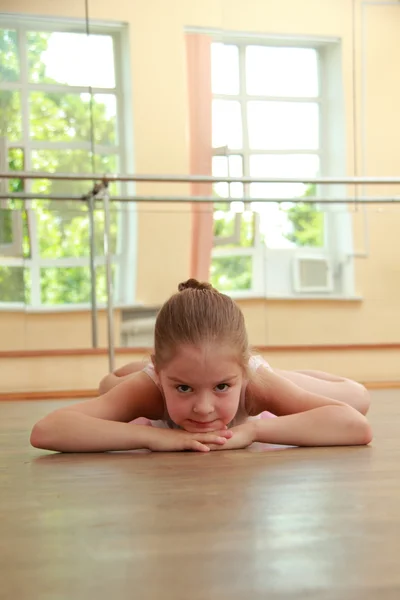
x: 199, y: 427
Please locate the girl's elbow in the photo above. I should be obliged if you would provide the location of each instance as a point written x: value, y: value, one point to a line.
x: 362, y: 399
x: 360, y: 430
x: 40, y: 436
x: 367, y: 434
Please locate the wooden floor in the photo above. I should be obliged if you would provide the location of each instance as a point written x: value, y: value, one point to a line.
x: 254, y: 524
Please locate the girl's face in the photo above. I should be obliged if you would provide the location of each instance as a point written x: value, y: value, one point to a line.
x: 202, y: 387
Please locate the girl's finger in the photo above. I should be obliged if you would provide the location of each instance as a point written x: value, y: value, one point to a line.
x: 227, y: 434
x: 214, y: 439
x: 199, y: 447
x: 214, y: 446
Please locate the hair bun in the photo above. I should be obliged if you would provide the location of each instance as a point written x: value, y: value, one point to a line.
x: 193, y: 284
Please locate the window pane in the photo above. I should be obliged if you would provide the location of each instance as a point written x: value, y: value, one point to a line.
x: 230, y: 224
x: 63, y: 230
x: 14, y: 230
x: 6, y: 227
x: 283, y: 125
x: 226, y: 124
x: 71, y: 285
x: 63, y: 117
x: 231, y: 273
x: 224, y: 220
x: 228, y: 166
x: 71, y: 59
x: 16, y: 163
x: 15, y: 284
x: 281, y: 166
x: 70, y: 161
x: 235, y: 166
x: 10, y: 115
x: 9, y: 59
x: 236, y: 170
x: 63, y: 226
x: 287, y: 225
x: 281, y: 71
x: 307, y: 225
x: 220, y: 169
x: 224, y: 69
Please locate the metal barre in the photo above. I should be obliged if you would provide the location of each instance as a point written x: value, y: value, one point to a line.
x: 207, y: 199
x: 198, y: 178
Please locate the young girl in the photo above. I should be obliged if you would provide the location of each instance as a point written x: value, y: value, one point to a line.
x: 204, y: 391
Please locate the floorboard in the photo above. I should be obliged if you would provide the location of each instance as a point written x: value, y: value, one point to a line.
x: 252, y: 524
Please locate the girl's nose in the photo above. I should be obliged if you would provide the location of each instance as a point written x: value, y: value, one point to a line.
x: 203, y: 406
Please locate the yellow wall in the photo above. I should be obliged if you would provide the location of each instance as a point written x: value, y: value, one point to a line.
x: 77, y: 372
x: 160, y: 134
x: 53, y: 331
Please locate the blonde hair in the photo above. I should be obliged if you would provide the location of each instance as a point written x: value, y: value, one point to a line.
x: 198, y: 314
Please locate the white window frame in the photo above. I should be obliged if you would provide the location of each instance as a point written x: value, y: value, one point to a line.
x: 125, y: 257
x: 270, y: 263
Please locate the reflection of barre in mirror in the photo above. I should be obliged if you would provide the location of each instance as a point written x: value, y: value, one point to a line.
x: 203, y: 390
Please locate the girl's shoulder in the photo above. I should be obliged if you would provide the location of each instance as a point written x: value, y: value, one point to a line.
x: 150, y: 371
x: 255, y: 387
x: 256, y: 361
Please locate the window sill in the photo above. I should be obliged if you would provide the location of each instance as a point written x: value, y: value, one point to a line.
x: 240, y: 295
x: 292, y: 298
x: 61, y: 308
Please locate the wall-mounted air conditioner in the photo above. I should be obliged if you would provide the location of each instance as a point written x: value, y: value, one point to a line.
x: 312, y: 274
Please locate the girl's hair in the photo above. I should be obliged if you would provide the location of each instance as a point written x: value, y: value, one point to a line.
x: 199, y: 314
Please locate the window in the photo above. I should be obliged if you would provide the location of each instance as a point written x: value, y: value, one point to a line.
x: 276, y: 112
x: 61, y: 110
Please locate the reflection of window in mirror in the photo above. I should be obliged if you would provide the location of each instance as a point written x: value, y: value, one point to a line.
x: 270, y: 119
x: 61, y: 96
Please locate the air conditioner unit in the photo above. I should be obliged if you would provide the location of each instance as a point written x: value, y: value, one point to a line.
x: 312, y: 274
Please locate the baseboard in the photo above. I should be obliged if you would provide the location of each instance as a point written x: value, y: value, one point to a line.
x: 51, y: 395
x: 147, y: 351
x: 77, y: 394
x: 382, y: 385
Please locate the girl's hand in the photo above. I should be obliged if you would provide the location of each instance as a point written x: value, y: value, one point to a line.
x: 174, y: 440
x: 242, y: 437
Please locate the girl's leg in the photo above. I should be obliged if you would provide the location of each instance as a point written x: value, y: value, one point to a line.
x: 331, y: 386
x: 119, y: 375
x: 323, y: 375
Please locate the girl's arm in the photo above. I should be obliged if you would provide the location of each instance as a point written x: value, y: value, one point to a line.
x: 307, y: 419
x: 324, y: 426
x: 103, y: 424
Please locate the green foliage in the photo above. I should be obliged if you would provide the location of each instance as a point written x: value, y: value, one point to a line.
x: 59, y: 117
x: 14, y: 284
x: 9, y: 63
x: 71, y: 285
x: 37, y: 44
x: 307, y: 222
x: 62, y: 227
x: 6, y: 233
x: 231, y: 273
x: 224, y: 225
x: 10, y: 115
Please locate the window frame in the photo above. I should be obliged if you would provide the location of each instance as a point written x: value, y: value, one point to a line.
x: 125, y: 257
x: 331, y: 152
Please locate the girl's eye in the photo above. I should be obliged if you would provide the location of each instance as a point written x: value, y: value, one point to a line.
x: 184, y: 389
x: 222, y: 387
